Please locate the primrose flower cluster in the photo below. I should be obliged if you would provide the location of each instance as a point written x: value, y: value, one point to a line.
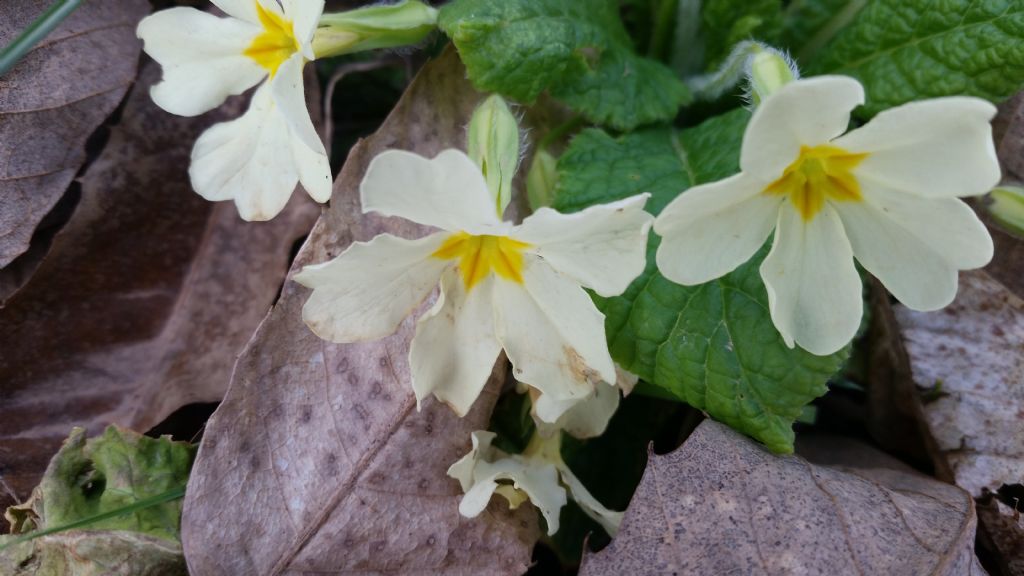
x: 885, y: 194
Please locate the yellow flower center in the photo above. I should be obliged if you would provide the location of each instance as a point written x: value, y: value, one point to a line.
x: 480, y: 255
x: 275, y: 44
x: 819, y: 173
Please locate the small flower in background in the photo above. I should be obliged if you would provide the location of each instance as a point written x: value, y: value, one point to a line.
x: 257, y: 159
x: 539, y: 474
x: 885, y: 193
x: 503, y: 287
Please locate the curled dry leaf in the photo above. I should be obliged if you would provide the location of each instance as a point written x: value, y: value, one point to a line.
x: 53, y: 100
x: 722, y: 504
x: 95, y: 553
x: 147, y: 297
x: 318, y: 461
x: 1007, y: 264
x: 971, y: 357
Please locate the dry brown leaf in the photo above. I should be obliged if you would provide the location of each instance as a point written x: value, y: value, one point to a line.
x: 972, y: 357
x: 722, y: 504
x: 145, y: 301
x: 318, y: 460
x: 974, y: 351
x: 53, y: 100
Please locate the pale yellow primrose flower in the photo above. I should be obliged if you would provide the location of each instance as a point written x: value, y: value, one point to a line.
x: 885, y: 193
x: 517, y: 288
x: 585, y: 417
x: 538, y: 474
x: 257, y: 159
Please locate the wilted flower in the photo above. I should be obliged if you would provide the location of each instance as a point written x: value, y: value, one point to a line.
x: 538, y: 474
x: 517, y: 288
x: 885, y: 193
x: 257, y: 159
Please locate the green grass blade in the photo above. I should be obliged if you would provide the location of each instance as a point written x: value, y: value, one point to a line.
x: 172, y: 494
x: 41, y: 28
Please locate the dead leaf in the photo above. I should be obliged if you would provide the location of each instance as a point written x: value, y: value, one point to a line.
x: 1003, y: 529
x: 970, y: 359
x: 94, y: 553
x: 973, y: 351
x: 53, y: 100
x: 318, y: 460
x: 722, y: 504
x: 147, y: 297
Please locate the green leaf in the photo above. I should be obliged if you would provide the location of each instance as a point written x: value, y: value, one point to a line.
x: 810, y: 24
x: 578, y: 50
x: 725, y: 23
x: 95, y: 477
x: 904, y: 50
x: 714, y: 345
x: 107, y: 505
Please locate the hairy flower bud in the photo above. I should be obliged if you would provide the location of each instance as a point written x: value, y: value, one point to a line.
x: 494, y: 145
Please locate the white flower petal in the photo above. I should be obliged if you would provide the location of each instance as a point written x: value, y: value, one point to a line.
x: 586, y: 418
x: 814, y: 291
x: 936, y: 148
x: 305, y: 15
x: 243, y: 9
x: 711, y: 229
x: 202, y: 59
x: 314, y: 171
x: 271, y: 6
x: 256, y: 161
x: 249, y: 160
x: 625, y: 380
x: 552, y: 332
x: 368, y: 290
x: 454, y: 349
x: 610, y: 520
x: 539, y: 479
x: 802, y: 113
x: 447, y: 192
x: 602, y: 247
x: 462, y: 470
x: 915, y: 245
x: 291, y: 101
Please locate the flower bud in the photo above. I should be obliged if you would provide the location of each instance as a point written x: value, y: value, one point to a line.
x: 769, y: 70
x: 1007, y: 207
x: 541, y: 179
x: 386, y: 26
x: 494, y: 146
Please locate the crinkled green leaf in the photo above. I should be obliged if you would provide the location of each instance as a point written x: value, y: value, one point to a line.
x: 809, y: 24
x: 724, y: 23
x: 85, y: 489
x: 90, y: 477
x: 904, y: 50
x: 712, y: 345
x: 578, y: 50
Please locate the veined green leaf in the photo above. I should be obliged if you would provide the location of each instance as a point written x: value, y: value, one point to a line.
x: 578, y: 50
x: 904, y: 50
x: 726, y: 23
x: 714, y: 345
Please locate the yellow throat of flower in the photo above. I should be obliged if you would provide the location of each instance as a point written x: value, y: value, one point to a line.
x: 478, y: 256
x: 275, y: 44
x: 819, y: 173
